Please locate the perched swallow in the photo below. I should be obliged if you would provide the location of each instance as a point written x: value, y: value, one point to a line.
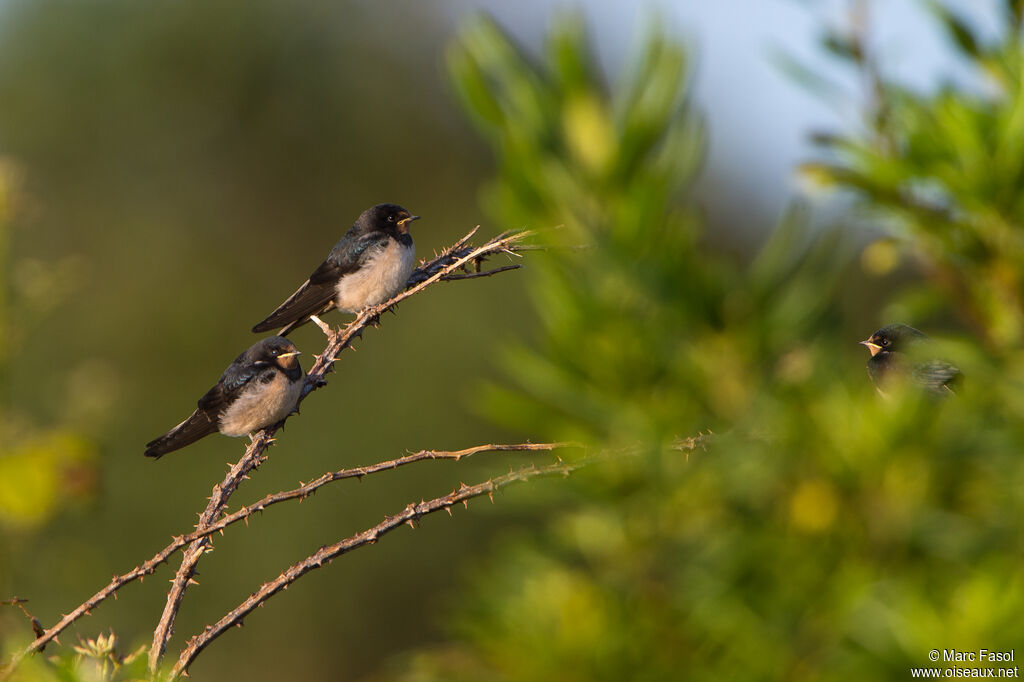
x: 258, y: 389
x: 367, y: 266
x: 899, y: 353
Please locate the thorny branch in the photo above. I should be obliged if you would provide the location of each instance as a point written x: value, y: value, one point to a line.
x: 37, y: 627
x: 445, y: 266
x: 214, y: 508
x: 408, y: 516
x: 449, y: 264
x: 300, y: 493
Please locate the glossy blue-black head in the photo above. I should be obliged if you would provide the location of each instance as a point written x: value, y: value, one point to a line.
x: 893, y: 338
x: 390, y: 218
x: 275, y: 350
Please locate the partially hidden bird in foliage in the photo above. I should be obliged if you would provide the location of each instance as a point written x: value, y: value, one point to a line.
x: 367, y: 266
x: 902, y: 354
x: 260, y: 388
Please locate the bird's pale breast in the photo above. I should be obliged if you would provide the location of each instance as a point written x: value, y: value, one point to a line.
x: 383, y: 276
x: 261, y: 405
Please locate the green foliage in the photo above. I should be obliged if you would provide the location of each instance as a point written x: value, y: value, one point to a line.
x: 40, y: 474
x: 943, y: 171
x: 41, y: 470
x: 825, y: 533
x: 91, y: 660
x: 646, y: 333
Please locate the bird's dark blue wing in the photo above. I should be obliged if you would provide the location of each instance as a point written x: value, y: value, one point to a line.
x: 206, y: 418
x: 201, y: 423
x: 316, y: 295
x: 348, y: 255
x: 936, y: 376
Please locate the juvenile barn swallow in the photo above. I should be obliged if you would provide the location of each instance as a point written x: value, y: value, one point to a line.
x: 367, y: 266
x: 258, y: 389
x: 899, y: 353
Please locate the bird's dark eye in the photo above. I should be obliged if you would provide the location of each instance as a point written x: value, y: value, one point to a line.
x: 391, y: 218
x: 883, y: 342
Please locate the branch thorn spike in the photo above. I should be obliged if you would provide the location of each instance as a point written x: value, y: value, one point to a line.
x: 456, y: 258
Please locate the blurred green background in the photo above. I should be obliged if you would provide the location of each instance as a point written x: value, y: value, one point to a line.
x: 169, y: 173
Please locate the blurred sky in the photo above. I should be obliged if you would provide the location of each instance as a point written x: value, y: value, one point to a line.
x: 759, y: 116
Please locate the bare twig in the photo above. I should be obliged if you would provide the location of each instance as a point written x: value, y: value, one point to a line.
x: 37, y: 627
x: 307, y: 489
x: 153, y: 563
x: 449, y: 261
x: 303, y: 491
x: 222, y: 492
x: 485, y: 273
x: 691, y: 443
x: 408, y: 516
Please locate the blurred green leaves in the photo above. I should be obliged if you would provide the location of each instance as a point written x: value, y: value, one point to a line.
x: 91, y: 660
x: 943, y: 171
x: 825, y: 534
x: 42, y: 470
x: 634, y: 309
x: 41, y: 475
